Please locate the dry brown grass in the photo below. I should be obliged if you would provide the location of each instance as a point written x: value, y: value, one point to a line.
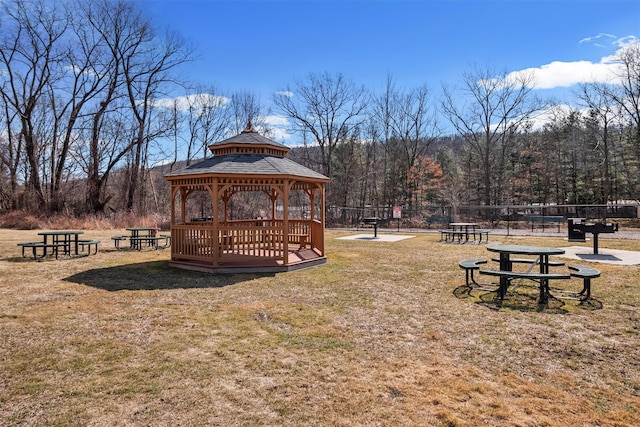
x: 380, y: 336
x: 20, y: 220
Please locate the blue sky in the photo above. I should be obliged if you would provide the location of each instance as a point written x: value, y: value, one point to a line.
x: 263, y: 46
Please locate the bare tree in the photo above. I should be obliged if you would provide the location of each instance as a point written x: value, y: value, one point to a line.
x: 207, y: 119
x: 147, y: 70
x: 603, y: 114
x: 246, y: 107
x: 488, y: 108
x: 628, y: 98
x: 32, y: 62
x: 327, y: 106
x: 135, y: 66
x: 407, y: 120
x: 11, y: 155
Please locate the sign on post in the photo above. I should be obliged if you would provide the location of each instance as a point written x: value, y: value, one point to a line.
x: 397, y: 214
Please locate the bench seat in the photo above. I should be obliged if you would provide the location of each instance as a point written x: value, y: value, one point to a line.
x: 586, y: 274
x: 469, y: 266
x: 41, y: 245
x: 88, y: 244
x: 543, y: 221
x: 526, y: 275
x: 531, y: 261
x: 117, y: 240
x: 447, y: 235
x: 136, y: 242
x: 479, y: 232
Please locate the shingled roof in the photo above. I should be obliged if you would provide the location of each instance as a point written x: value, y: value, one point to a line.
x: 249, y: 164
x: 249, y: 153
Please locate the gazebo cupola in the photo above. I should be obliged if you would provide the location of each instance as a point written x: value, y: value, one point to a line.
x: 247, y: 208
x: 249, y: 142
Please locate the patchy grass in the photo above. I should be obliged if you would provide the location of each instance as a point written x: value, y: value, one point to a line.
x: 381, y: 335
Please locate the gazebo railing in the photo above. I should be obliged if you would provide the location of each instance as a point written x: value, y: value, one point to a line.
x: 194, y: 242
x: 261, y: 238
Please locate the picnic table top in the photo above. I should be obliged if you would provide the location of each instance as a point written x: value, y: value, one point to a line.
x: 60, y: 233
x: 525, y: 250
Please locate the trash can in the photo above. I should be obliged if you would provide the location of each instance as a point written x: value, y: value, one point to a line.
x: 575, y: 228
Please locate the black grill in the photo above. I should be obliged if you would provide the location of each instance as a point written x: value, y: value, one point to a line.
x: 578, y: 227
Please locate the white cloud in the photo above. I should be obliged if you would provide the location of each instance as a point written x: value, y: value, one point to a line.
x: 276, y: 120
x: 286, y: 93
x: 278, y: 127
x: 566, y: 74
x: 198, y: 100
x: 280, y: 134
x: 595, y: 39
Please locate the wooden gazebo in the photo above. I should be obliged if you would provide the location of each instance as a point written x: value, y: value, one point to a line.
x: 247, y: 209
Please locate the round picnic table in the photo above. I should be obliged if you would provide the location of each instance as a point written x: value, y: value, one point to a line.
x: 541, y: 252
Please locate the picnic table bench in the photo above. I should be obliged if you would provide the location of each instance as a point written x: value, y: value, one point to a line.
x: 87, y: 244
x: 159, y: 241
x: 470, y: 266
x: 35, y: 246
x: 542, y: 221
x: 585, y: 273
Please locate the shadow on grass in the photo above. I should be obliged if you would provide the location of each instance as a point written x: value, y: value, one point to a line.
x: 155, y: 275
x: 521, y: 301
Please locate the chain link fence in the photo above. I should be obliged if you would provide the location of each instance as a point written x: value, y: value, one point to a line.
x: 494, y: 217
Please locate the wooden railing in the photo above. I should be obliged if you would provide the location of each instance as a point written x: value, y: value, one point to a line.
x: 197, y: 241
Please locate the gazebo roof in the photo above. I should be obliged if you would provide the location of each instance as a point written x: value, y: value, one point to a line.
x: 249, y: 154
x: 249, y: 136
x: 249, y: 164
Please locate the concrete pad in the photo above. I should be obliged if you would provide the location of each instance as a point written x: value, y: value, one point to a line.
x: 604, y: 255
x: 380, y: 238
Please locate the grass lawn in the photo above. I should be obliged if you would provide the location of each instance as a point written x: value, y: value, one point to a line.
x: 380, y: 336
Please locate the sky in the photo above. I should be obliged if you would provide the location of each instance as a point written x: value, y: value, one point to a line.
x: 265, y: 46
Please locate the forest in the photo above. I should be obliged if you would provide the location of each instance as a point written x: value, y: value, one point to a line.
x: 95, y: 108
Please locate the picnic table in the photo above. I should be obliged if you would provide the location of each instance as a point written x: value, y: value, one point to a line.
x: 59, y: 242
x: 140, y: 237
x: 463, y: 232
x: 506, y: 272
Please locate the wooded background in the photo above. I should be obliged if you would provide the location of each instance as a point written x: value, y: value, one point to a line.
x: 95, y: 109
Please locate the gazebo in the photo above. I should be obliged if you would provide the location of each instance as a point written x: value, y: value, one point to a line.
x: 247, y: 209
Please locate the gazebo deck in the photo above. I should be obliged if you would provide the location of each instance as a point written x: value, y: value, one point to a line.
x: 247, y: 262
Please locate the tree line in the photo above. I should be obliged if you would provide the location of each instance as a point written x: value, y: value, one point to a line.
x: 89, y: 112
